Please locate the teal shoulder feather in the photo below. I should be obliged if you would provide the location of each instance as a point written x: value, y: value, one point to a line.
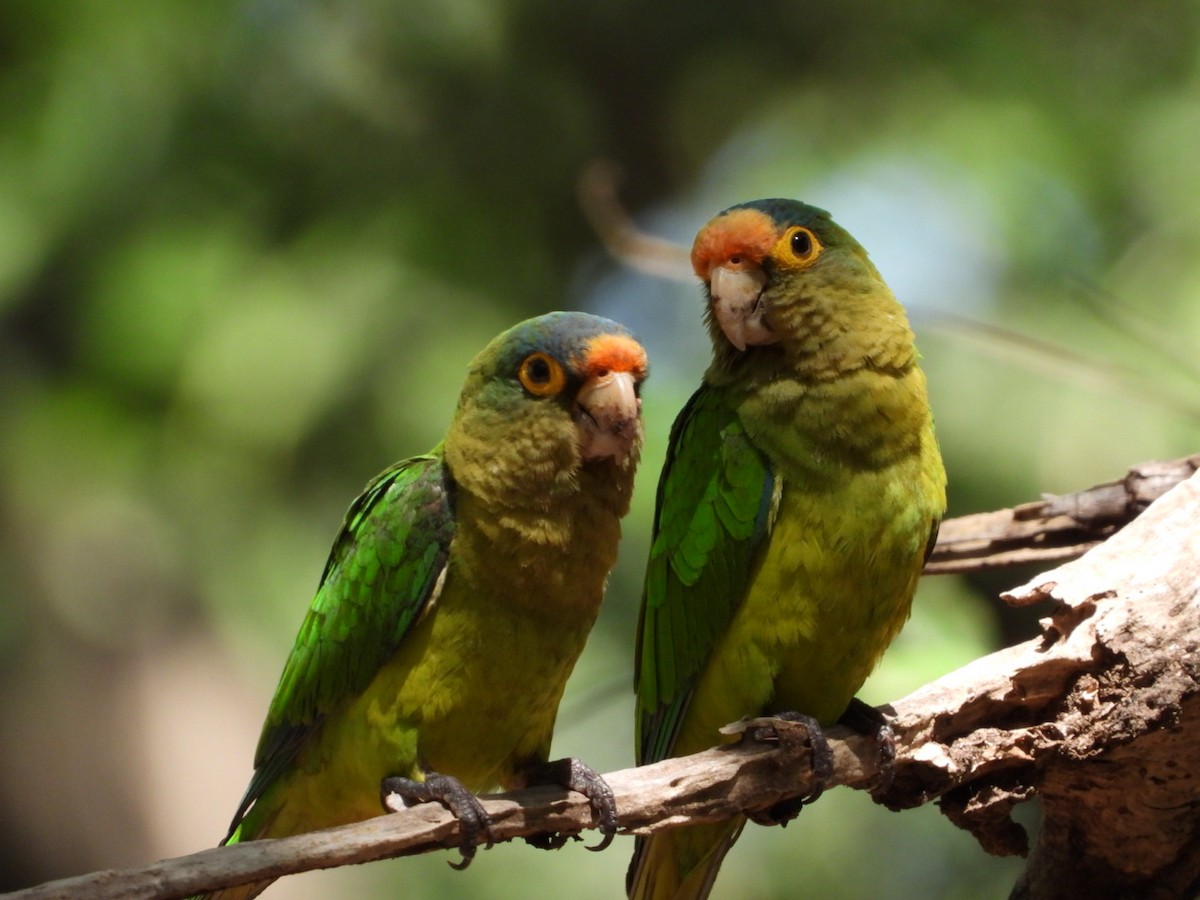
x: 381, y: 573
x: 715, y: 499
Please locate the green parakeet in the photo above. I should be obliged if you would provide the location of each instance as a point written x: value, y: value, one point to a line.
x: 801, y: 492
x: 458, y: 596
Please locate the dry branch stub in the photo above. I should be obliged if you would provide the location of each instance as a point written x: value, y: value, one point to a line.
x: 1057, y: 527
x: 1100, y: 717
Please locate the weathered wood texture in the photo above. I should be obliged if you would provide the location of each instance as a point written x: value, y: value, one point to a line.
x: 1055, y: 528
x: 1098, y: 718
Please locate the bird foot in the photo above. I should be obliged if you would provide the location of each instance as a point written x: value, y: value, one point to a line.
x: 575, y: 775
x: 867, y: 720
x: 473, y: 819
x: 766, y: 730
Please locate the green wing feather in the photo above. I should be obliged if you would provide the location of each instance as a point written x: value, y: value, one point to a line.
x: 381, y: 573
x: 713, y: 512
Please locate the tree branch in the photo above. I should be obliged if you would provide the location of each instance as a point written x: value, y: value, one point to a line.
x: 707, y: 787
x: 1055, y: 528
x: 626, y: 242
x: 1098, y: 717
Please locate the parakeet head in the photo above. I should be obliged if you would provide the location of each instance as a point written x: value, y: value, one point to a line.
x: 781, y: 271
x: 546, y: 401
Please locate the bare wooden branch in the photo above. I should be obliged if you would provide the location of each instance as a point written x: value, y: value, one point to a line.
x: 621, y: 237
x: 707, y: 787
x: 1055, y: 528
x: 1098, y: 717
x: 1121, y: 796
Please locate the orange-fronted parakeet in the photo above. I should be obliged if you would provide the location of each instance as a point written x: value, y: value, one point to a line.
x: 801, y: 492
x: 458, y: 596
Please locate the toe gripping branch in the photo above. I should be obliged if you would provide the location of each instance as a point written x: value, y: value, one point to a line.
x: 867, y: 720
x: 576, y: 775
x: 473, y: 819
x: 859, y: 716
x: 763, y: 731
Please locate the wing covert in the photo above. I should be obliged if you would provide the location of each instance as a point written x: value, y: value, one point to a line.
x: 713, y: 511
x: 381, y: 573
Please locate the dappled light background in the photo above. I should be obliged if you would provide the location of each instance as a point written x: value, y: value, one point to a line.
x: 247, y: 250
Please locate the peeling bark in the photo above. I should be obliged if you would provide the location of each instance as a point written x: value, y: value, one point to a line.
x: 1098, y: 718
x: 1122, y: 797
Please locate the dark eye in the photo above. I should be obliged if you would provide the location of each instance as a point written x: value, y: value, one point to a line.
x: 538, y: 371
x: 541, y: 375
x: 799, y: 247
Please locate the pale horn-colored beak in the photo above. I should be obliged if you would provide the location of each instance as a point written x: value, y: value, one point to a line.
x: 608, y: 415
x: 736, y: 296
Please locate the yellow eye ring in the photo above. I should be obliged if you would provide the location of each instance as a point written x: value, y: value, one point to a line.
x: 799, y: 247
x: 541, y: 375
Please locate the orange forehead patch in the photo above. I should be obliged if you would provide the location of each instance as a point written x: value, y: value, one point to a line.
x: 614, y: 353
x: 742, y: 235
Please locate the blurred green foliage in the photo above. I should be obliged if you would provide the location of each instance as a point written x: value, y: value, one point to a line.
x: 248, y: 248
